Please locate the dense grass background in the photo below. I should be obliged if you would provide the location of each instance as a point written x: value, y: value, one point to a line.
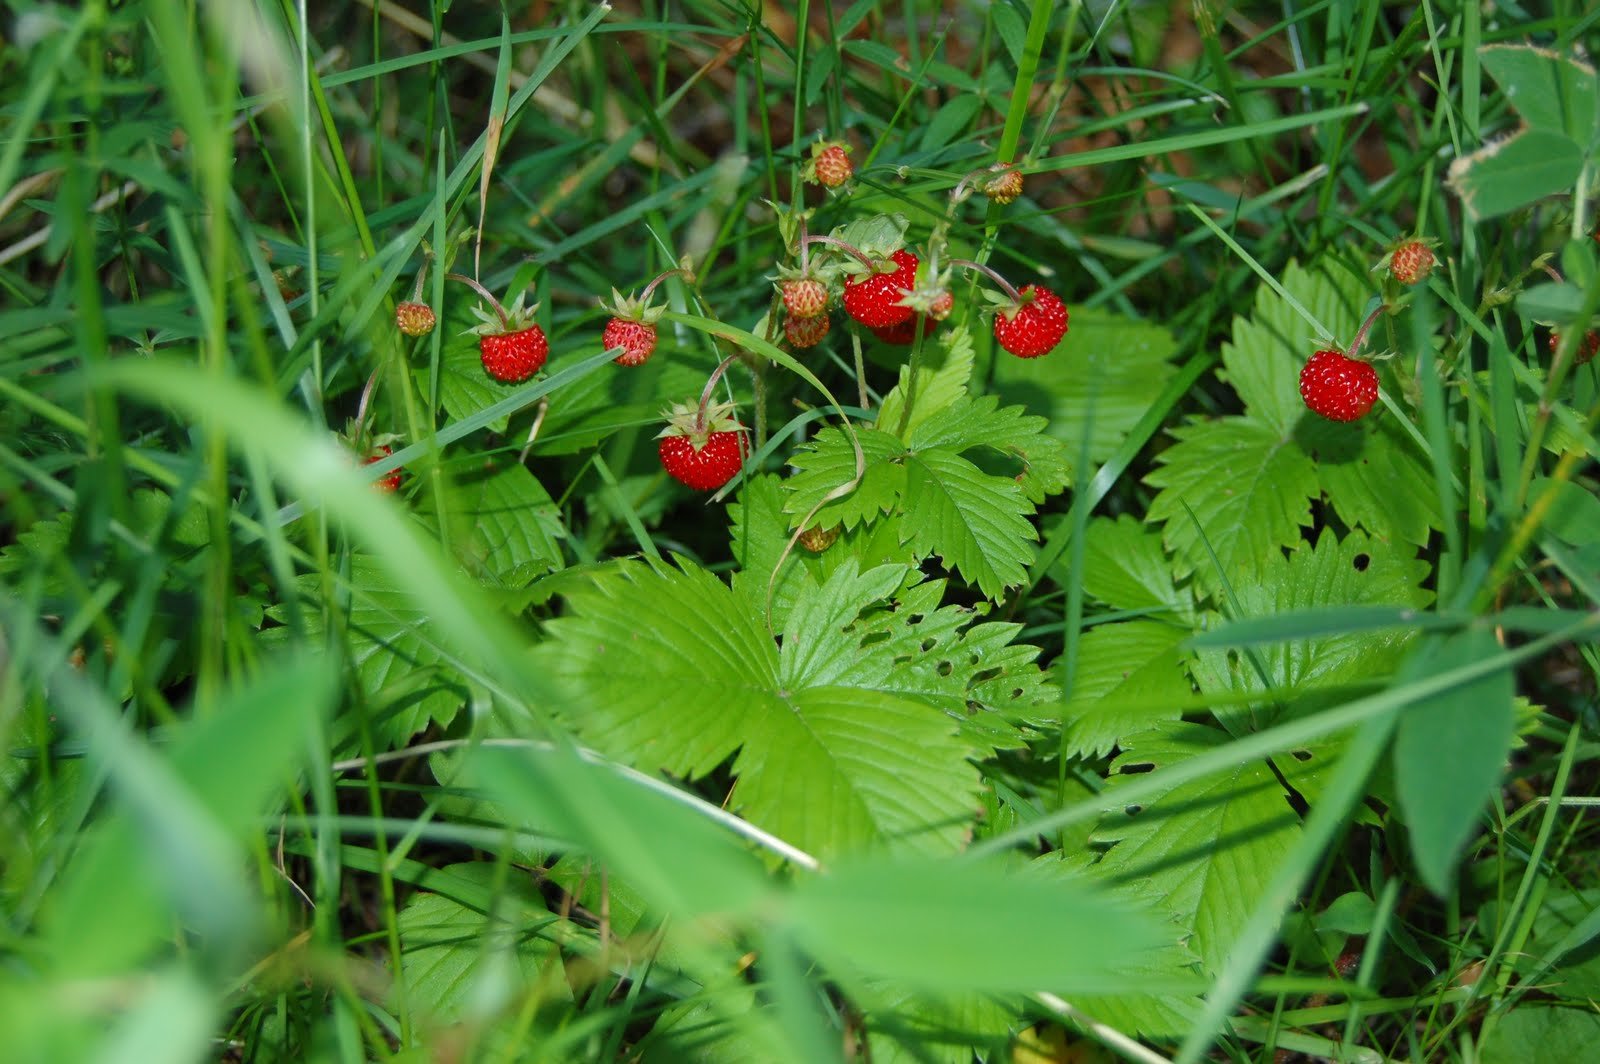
x: 290, y: 765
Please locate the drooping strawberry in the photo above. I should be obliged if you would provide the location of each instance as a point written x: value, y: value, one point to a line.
x: 829, y: 164
x: 1411, y: 262
x: 389, y: 482
x: 806, y: 332
x: 1588, y: 347
x: 874, y: 299
x: 1338, y: 387
x: 511, y: 345
x: 702, y: 452
x: 413, y: 318
x: 1032, y: 324
x: 633, y: 325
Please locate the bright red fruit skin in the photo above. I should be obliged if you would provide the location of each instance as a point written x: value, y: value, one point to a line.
x: 1338, y: 388
x: 874, y: 299
x: 1036, y: 326
x: 637, y: 339
x: 391, y: 482
x: 708, y: 468
x: 905, y: 334
x: 512, y: 358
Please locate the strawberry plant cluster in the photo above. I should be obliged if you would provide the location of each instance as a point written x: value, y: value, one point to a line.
x: 707, y: 532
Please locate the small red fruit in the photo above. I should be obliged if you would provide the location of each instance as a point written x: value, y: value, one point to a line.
x: 830, y: 165
x: 874, y: 299
x: 636, y: 338
x: 806, y: 332
x: 390, y: 482
x: 414, y: 319
x: 1586, y: 350
x: 513, y: 348
x: 703, y: 454
x: 905, y: 333
x: 1338, y: 388
x: 803, y: 297
x: 1411, y: 262
x: 1034, y: 326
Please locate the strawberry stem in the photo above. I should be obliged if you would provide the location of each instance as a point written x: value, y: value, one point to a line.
x: 960, y: 192
x: 705, y: 395
x: 644, y: 297
x: 805, y: 249
x: 1366, y: 326
x: 361, y: 409
x: 1005, y: 285
x: 488, y: 297
x: 835, y: 242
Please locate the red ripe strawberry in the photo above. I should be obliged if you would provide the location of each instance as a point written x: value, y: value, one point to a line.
x: 702, y: 454
x: 512, y: 350
x: 390, y: 482
x: 874, y: 299
x: 905, y: 333
x: 637, y: 339
x: 1034, y: 326
x: 633, y: 325
x: 414, y: 319
x: 1004, y: 187
x: 1586, y: 350
x: 806, y: 332
x: 1411, y: 262
x: 830, y: 165
x: 803, y: 297
x: 1338, y: 388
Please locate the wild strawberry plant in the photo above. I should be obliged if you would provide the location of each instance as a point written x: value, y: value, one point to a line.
x: 978, y: 593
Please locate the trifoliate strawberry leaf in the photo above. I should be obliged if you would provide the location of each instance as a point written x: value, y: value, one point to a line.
x: 508, y: 529
x: 1126, y: 567
x: 1207, y: 847
x: 1357, y: 571
x: 941, y: 380
x: 405, y: 675
x: 1112, y: 369
x: 1130, y: 677
x: 1247, y: 488
x: 672, y: 671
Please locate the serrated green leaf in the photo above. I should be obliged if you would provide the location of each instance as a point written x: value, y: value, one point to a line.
x: 759, y: 530
x: 973, y: 521
x: 460, y: 962
x: 404, y: 673
x: 874, y: 235
x: 1110, y: 365
x: 1130, y: 678
x: 826, y: 760
x: 967, y: 425
x: 1126, y: 567
x: 1208, y: 847
x: 829, y: 463
x: 1357, y: 571
x: 1374, y: 475
x: 1553, y: 93
x: 1450, y: 751
x: 509, y: 527
x: 1249, y: 490
x: 1514, y: 172
x: 940, y: 382
x: 464, y: 387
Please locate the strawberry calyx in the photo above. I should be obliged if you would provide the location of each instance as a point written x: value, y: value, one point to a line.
x: 501, y: 321
x: 632, y: 308
x: 697, y: 424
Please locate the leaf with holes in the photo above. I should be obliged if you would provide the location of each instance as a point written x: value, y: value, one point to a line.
x: 829, y: 753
